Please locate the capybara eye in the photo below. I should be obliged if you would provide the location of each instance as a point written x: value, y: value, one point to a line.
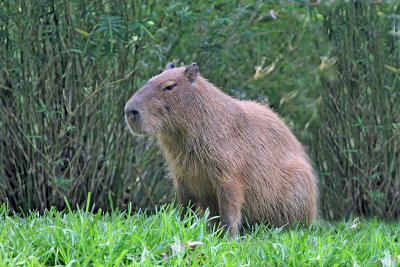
x: 169, y: 88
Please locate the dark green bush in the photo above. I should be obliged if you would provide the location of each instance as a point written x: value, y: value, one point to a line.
x: 356, y: 135
x: 68, y: 67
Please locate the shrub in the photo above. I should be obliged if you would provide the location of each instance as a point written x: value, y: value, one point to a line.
x: 357, y: 132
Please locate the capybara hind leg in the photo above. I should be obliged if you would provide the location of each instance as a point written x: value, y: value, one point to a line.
x: 303, y: 194
x: 230, y: 199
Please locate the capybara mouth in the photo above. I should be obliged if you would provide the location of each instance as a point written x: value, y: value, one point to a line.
x: 134, y: 126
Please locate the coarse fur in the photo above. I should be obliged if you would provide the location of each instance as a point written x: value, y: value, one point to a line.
x: 236, y: 158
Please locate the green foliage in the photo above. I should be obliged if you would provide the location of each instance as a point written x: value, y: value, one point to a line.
x: 358, y: 151
x: 68, y: 67
x: 65, y: 76
x: 83, y: 237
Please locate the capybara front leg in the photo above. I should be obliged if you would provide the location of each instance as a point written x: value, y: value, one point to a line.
x: 230, y: 199
x: 184, y: 197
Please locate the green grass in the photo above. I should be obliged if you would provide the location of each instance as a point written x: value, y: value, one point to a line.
x: 84, y: 237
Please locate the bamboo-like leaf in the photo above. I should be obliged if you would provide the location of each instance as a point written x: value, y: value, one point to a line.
x: 85, y: 33
x: 391, y: 68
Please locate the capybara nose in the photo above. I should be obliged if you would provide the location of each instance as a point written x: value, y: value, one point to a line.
x: 131, y: 112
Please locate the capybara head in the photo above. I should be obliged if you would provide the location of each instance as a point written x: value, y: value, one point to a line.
x: 154, y: 106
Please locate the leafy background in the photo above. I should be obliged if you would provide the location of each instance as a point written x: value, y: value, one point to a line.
x: 331, y: 69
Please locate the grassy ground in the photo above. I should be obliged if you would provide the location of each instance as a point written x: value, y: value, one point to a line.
x: 100, y: 239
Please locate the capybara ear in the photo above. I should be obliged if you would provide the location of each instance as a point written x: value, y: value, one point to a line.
x: 191, y: 71
x: 170, y: 65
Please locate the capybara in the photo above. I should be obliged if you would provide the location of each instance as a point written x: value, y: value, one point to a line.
x: 237, y: 158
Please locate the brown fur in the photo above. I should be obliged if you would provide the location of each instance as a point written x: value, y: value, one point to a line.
x: 237, y: 158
